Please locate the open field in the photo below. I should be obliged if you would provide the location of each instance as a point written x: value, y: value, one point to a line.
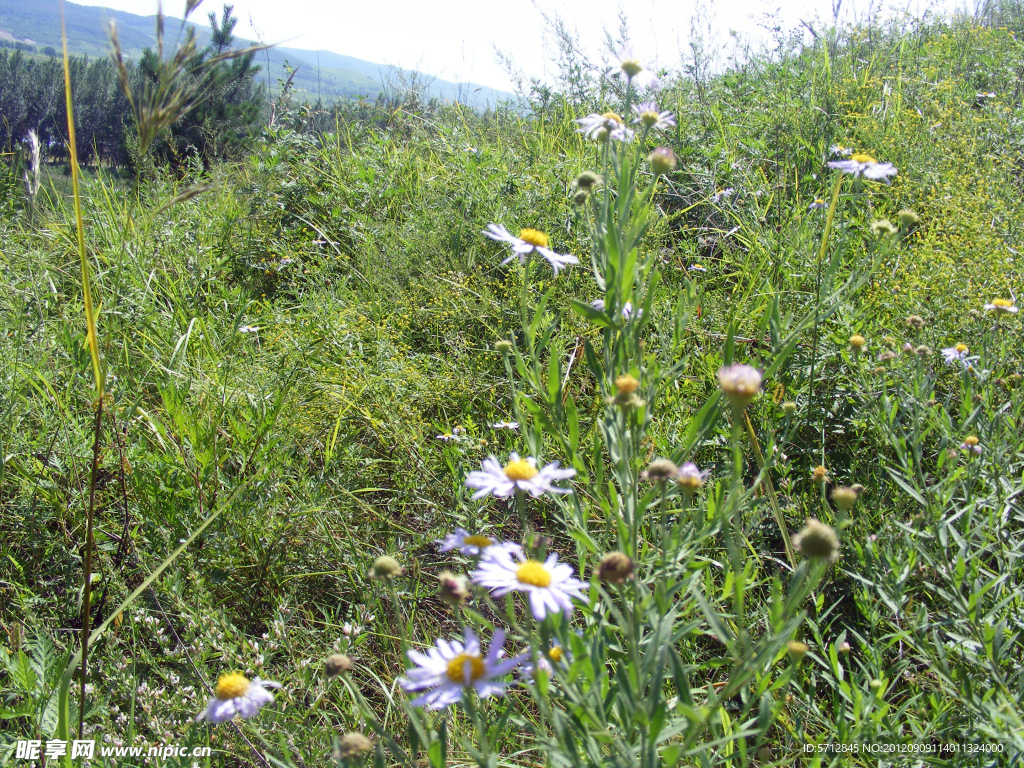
x: 300, y: 366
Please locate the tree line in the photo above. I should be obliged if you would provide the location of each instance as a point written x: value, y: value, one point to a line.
x: 32, y: 99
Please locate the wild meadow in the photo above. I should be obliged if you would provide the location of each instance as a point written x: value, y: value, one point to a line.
x: 660, y: 419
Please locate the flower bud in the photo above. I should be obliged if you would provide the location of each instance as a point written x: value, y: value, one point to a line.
x: 883, y: 228
x: 817, y: 541
x: 857, y: 343
x: 353, y: 745
x: 337, y: 663
x: 385, y: 567
x: 789, y: 407
x: 581, y: 197
x: 453, y: 588
x: 907, y: 218
x: 922, y: 350
x: 797, y: 651
x: 819, y: 474
x: 844, y: 647
x: 690, y: 479
x: 615, y: 568
x: 504, y: 346
x: 915, y: 321
x: 740, y: 384
x: 626, y: 384
x: 660, y: 470
x: 844, y: 498
x: 588, y: 180
x: 662, y: 160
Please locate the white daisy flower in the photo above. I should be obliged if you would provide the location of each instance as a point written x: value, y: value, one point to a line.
x: 529, y: 240
x: 697, y: 268
x: 470, y: 545
x: 606, y: 126
x: 445, y: 437
x: 817, y: 205
x: 446, y: 671
x: 235, y: 695
x: 513, y: 425
x: 956, y: 354
x: 635, y: 72
x: 972, y: 444
x: 247, y: 329
x: 648, y: 114
x: 550, y: 585
x: 518, y: 474
x: 837, y: 149
x: 1002, y: 306
x: 864, y: 165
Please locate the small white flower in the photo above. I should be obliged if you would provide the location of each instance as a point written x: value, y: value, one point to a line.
x: 518, y: 474
x: 648, y: 114
x: 836, y: 149
x: 690, y: 478
x: 469, y: 545
x: 247, y: 329
x: 447, y: 670
x: 635, y: 72
x: 817, y: 205
x: 555, y: 656
x: 697, y: 268
x: 956, y: 354
x: 529, y: 240
x: 606, y: 126
x: 1002, y: 306
x: 236, y: 695
x: 725, y: 194
x: 445, y: 437
x: 513, y: 425
x: 864, y: 165
x: 550, y: 585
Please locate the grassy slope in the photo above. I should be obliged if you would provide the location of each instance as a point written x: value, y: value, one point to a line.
x: 376, y: 303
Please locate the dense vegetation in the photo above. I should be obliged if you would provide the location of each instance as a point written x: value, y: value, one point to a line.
x: 298, y: 372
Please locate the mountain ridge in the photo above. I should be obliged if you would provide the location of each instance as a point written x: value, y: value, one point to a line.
x: 320, y: 73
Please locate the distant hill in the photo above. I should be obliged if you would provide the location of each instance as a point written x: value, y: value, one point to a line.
x: 331, y: 75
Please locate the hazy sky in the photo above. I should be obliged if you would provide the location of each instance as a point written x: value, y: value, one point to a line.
x: 455, y: 39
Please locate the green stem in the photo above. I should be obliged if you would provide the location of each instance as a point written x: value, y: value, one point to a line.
x: 817, y: 307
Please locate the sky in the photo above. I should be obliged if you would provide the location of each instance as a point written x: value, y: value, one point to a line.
x: 456, y: 39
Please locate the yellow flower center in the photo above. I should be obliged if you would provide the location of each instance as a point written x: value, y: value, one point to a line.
x: 857, y: 341
x: 478, y: 541
x: 819, y: 474
x: 555, y: 654
x: 457, y: 668
x: 632, y: 67
x: 534, y: 573
x: 961, y: 347
x: 520, y: 470
x: 649, y: 118
x: 231, y: 686
x: 613, y: 117
x: 534, y: 237
x: 859, y: 158
x: 971, y: 440
x: 1002, y: 303
x: 818, y: 201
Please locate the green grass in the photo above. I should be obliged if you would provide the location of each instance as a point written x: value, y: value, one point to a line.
x: 283, y: 349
